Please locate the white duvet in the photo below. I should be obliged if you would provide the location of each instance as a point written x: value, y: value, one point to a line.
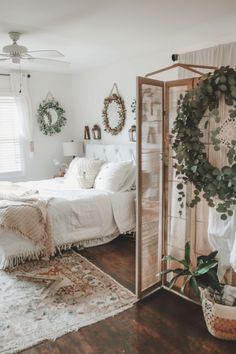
x: 78, y: 216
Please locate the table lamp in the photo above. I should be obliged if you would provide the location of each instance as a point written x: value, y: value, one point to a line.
x: 72, y: 148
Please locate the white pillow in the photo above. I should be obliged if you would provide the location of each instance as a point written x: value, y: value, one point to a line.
x: 113, y: 175
x: 83, y: 173
x: 72, y: 169
x: 130, y: 182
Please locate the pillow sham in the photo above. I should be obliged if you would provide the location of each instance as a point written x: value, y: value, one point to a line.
x: 84, y: 173
x: 72, y: 169
x: 130, y: 182
x: 113, y: 176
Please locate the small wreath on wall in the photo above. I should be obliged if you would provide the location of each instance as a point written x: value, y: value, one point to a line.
x: 121, y: 111
x: 216, y: 185
x: 51, y: 116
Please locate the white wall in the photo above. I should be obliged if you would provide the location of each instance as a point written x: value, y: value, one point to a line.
x: 48, y: 147
x: 82, y: 97
x: 40, y: 164
x: 91, y: 87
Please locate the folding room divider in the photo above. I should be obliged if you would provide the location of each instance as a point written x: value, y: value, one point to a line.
x: 160, y: 228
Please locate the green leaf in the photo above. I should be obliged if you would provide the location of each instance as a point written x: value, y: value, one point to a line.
x: 227, y: 171
x: 216, y: 147
x: 180, y: 186
x: 211, y: 255
x: 223, y: 217
x: 166, y: 271
x: 194, y: 285
x: 194, y: 169
x: 174, y: 279
x: 187, y: 253
x: 221, y: 208
x: 204, y: 268
x: 186, y: 282
x: 171, y: 258
x: 215, y: 172
x: 213, y: 280
x: 206, y: 124
x: 223, y: 88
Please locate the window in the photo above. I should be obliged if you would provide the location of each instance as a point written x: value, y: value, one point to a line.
x: 11, y: 143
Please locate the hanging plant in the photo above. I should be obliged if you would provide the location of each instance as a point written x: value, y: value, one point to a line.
x: 121, y: 110
x: 216, y: 185
x: 47, y: 123
x: 133, y: 106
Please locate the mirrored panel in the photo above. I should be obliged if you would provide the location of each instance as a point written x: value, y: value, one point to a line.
x: 150, y: 128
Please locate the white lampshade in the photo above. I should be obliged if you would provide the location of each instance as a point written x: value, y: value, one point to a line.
x: 73, y: 148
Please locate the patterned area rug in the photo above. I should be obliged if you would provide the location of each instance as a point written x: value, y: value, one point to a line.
x: 44, y: 300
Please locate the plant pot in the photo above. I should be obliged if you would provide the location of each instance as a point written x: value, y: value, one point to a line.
x: 220, y: 319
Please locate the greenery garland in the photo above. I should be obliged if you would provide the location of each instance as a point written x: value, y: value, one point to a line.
x: 50, y: 128
x: 121, y: 110
x: 217, y: 186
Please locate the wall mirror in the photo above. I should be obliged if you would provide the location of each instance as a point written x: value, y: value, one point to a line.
x: 114, y: 113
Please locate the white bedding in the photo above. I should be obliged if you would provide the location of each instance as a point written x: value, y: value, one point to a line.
x: 78, y: 216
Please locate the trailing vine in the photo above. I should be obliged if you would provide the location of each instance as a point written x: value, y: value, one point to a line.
x: 216, y: 185
x: 121, y: 110
x: 47, y: 126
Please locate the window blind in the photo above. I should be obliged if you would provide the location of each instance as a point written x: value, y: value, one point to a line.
x: 11, y: 149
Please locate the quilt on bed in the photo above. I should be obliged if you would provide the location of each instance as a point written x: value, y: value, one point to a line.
x: 76, y: 216
x: 24, y: 212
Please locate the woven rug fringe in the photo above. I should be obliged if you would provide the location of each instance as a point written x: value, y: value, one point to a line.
x: 15, y: 260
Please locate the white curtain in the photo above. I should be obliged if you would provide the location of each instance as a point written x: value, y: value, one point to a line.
x: 19, y: 86
x: 220, y: 55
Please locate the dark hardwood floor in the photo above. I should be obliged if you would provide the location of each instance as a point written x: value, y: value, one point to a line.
x: 163, y: 323
x: 116, y: 258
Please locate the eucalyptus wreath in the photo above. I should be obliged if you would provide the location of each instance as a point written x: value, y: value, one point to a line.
x: 121, y: 110
x: 216, y: 185
x: 48, y: 127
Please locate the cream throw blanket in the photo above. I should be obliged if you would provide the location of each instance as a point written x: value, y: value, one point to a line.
x: 23, y: 211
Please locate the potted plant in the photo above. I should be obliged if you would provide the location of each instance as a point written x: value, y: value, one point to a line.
x: 218, y: 300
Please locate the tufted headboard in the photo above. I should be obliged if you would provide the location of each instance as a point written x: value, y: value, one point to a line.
x: 116, y: 152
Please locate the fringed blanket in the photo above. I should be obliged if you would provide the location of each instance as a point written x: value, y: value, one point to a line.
x: 23, y: 211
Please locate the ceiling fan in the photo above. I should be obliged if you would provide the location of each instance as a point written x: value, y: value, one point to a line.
x: 17, y: 53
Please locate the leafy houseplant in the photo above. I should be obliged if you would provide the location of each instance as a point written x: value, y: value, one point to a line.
x: 203, y: 274
x: 202, y: 277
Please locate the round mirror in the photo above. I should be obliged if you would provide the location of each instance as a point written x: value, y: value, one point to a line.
x: 114, y: 114
x: 51, y: 117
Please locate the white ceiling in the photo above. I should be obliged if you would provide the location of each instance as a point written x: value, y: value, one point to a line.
x: 99, y: 32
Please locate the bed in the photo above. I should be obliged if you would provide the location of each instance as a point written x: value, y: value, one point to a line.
x: 82, y: 217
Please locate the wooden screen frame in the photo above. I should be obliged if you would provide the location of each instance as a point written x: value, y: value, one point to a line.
x: 190, y: 232
x: 139, y: 82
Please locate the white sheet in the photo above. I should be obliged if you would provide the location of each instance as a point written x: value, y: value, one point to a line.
x: 75, y: 215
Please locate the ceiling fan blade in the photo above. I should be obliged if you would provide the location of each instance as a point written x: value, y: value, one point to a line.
x: 4, y: 55
x: 4, y: 59
x: 46, y: 53
x: 47, y: 61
